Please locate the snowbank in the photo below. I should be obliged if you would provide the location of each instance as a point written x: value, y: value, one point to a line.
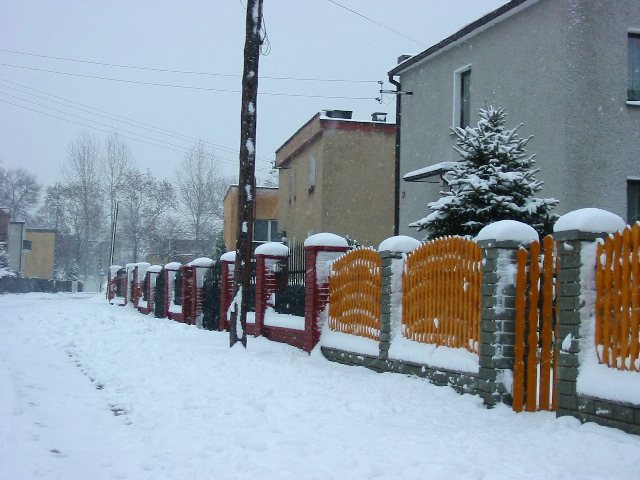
x: 591, y: 220
x: 504, y: 230
x: 275, y: 249
x: 202, y: 262
x: 448, y: 358
x: 325, y: 240
x: 399, y: 243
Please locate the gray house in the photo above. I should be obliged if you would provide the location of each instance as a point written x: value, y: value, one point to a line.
x: 568, y: 69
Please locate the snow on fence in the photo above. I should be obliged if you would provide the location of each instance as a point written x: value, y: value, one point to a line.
x: 354, y: 294
x: 441, y: 293
x: 617, y: 328
x: 533, y: 370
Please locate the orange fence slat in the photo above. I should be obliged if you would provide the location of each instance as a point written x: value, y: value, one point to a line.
x: 532, y: 335
x: 546, y: 320
x: 518, y: 349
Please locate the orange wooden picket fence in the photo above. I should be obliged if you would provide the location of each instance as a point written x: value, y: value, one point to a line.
x: 441, y: 299
x: 534, y: 372
x: 617, y: 329
x: 354, y: 294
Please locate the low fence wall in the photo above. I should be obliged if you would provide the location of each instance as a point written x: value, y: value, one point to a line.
x: 26, y: 285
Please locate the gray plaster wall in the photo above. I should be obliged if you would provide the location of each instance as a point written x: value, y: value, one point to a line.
x: 559, y: 67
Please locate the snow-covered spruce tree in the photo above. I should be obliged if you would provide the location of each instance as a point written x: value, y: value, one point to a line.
x: 493, y: 181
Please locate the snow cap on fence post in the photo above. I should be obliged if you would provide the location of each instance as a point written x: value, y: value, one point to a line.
x: 270, y: 257
x: 576, y: 234
x: 320, y: 250
x: 393, y: 253
x: 500, y: 242
x: 227, y: 265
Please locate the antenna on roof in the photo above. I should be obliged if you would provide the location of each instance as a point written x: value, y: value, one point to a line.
x: 390, y: 92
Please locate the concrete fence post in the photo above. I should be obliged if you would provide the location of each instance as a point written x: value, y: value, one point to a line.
x: 320, y: 251
x: 497, y: 321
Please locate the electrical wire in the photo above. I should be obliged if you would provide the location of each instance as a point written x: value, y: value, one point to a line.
x: 184, y: 72
x: 126, y: 120
x: 377, y: 23
x: 179, y: 149
x: 189, y: 87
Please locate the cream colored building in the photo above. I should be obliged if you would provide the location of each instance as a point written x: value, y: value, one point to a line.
x: 338, y: 175
x: 39, y: 258
x: 265, y: 225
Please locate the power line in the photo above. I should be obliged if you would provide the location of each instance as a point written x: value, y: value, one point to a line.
x: 179, y: 149
x: 126, y: 120
x: 189, y: 87
x: 377, y: 23
x: 183, y: 72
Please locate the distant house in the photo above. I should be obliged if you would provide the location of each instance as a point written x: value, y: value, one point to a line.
x: 337, y: 174
x: 40, y: 256
x: 568, y: 70
x: 265, y: 225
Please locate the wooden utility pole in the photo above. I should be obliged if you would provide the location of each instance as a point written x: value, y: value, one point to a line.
x: 247, y: 179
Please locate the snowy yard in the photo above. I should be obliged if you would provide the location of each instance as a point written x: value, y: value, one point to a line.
x: 92, y: 391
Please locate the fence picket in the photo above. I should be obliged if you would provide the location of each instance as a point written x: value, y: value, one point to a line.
x: 519, y: 344
x: 547, y: 320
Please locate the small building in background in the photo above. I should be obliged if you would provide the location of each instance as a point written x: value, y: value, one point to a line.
x: 16, y: 246
x: 337, y: 175
x: 265, y: 225
x: 40, y: 248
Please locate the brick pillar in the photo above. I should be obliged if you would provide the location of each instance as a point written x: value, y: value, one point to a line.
x: 227, y: 265
x: 135, y: 296
x: 318, y: 258
x: 570, y: 245
x: 497, y: 323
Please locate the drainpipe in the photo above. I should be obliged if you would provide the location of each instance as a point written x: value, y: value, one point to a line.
x: 396, y: 208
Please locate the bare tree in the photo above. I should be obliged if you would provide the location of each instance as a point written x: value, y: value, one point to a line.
x: 20, y: 192
x: 117, y: 161
x: 145, y: 202
x: 81, y: 175
x: 200, y: 191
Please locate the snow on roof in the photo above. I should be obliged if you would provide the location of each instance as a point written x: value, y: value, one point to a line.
x: 399, y: 243
x: 275, y: 249
x: 591, y: 220
x: 154, y: 269
x: 228, y: 257
x: 325, y: 240
x: 430, y: 171
x: 114, y: 269
x: 201, y: 262
x: 173, y: 266
x: 508, y: 230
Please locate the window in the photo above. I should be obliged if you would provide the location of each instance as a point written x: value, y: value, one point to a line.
x: 633, y: 82
x: 633, y: 200
x: 462, y: 97
x: 265, y: 231
x: 312, y: 172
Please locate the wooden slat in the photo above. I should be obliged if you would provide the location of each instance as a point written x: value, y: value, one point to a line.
x: 532, y: 336
x: 546, y: 320
x: 635, y: 300
x: 518, y: 349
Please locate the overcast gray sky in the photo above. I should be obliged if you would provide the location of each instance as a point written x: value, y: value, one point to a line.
x: 307, y: 38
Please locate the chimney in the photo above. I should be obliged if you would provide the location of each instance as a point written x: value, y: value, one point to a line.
x: 341, y: 114
x: 402, y: 58
x: 379, y: 117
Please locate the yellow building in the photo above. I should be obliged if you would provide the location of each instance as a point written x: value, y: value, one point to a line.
x: 265, y: 225
x: 40, y: 254
x: 338, y: 175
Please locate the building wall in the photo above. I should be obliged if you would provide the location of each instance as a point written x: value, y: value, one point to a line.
x: 558, y: 67
x: 299, y: 207
x: 358, y: 183
x: 15, y: 254
x: 266, y: 208
x: 39, y: 261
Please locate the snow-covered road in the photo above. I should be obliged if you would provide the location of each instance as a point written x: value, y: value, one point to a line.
x: 92, y: 391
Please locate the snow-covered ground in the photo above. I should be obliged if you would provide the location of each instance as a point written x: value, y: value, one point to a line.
x: 92, y: 391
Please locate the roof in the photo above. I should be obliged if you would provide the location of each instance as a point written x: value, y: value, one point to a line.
x: 427, y: 172
x: 234, y: 187
x: 314, y: 127
x: 473, y: 28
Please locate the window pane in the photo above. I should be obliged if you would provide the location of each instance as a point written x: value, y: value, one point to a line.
x: 633, y: 84
x: 465, y: 98
x: 312, y: 171
x: 633, y: 201
x: 273, y: 232
x: 261, y: 230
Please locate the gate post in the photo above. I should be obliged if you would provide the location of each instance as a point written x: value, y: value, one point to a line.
x: 270, y: 258
x: 497, y: 321
x: 320, y: 250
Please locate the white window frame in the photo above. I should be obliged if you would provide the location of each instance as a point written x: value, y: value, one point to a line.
x: 457, y: 97
x: 630, y: 32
